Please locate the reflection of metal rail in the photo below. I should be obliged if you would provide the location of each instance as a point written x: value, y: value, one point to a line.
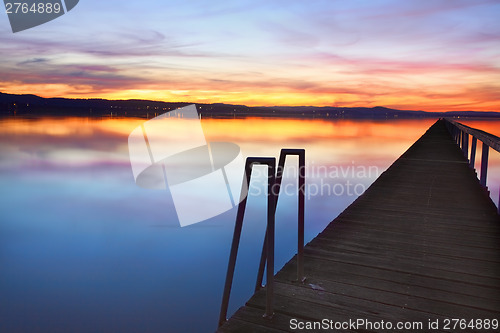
x: 273, y: 190
x: 460, y: 134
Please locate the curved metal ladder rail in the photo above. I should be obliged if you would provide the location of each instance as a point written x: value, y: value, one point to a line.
x: 274, y: 184
x: 300, y: 218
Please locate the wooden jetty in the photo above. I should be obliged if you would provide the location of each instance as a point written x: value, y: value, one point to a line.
x: 421, y: 245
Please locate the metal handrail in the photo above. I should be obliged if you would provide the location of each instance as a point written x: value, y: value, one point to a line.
x: 460, y: 134
x: 300, y: 218
x: 274, y: 184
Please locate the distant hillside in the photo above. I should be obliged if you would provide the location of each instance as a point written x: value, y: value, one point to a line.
x: 32, y: 105
x: 379, y: 112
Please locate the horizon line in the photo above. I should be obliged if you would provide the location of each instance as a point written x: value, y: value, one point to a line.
x: 248, y: 106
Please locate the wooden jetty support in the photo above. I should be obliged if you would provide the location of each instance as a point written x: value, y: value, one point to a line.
x: 421, y: 245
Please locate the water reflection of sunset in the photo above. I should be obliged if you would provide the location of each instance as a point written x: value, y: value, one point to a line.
x: 67, y: 126
x: 290, y: 129
x: 338, y: 141
x: 330, y: 142
x: 93, y: 141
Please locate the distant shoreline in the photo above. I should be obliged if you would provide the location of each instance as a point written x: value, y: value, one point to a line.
x: 35, y: 106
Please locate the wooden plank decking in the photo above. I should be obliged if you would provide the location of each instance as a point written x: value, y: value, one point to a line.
x: 422, y: 243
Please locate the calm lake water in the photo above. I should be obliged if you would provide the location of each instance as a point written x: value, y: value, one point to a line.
x: 84, y: 249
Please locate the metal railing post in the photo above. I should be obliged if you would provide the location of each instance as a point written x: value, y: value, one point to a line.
x: 484, y: 165
x: 271, y: 212
x: 271, y: 162
x: 300, y: 218
x: 234, y: 246
x: 262, y: 263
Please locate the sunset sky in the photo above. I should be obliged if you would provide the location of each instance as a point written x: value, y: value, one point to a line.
x: 421, y: 55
